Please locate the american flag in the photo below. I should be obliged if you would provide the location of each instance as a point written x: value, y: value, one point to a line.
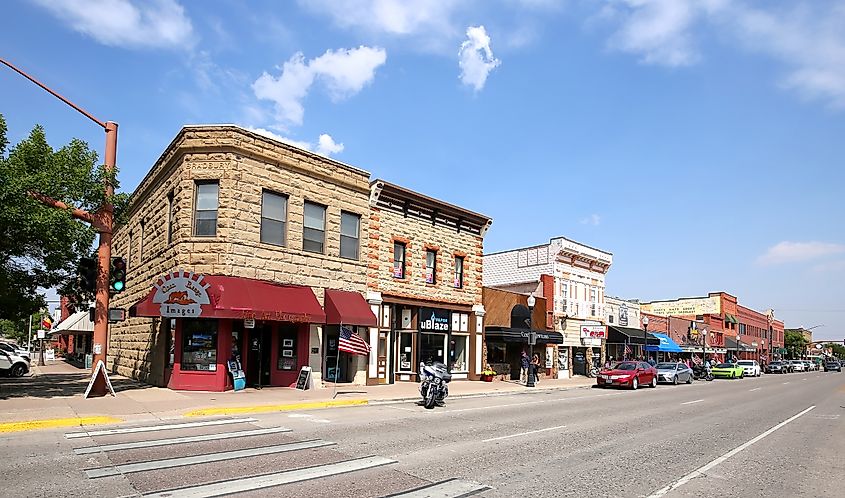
x: 352, y: 343
x: 627, y: 350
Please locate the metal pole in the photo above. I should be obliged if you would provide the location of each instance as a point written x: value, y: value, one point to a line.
x: 106, y: 216
x: 530, y: 381
x: 29, y: 337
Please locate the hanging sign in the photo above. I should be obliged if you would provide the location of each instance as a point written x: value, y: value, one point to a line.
x: 181, y: 294
x: 434, y: 320
x: 249, y: 323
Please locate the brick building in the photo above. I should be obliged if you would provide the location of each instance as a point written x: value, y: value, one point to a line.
x: 234, y: 244
x: 571, y: 276
x: 424, y: 260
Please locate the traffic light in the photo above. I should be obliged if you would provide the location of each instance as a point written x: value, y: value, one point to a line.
x: 117, y: 275
x: 88, y: 274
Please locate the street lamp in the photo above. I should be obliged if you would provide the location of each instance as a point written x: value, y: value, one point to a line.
x: 532, y: 338
x: 645, y: 335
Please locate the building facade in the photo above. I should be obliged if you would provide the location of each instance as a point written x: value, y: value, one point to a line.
x: 424, y: 277
x: 571, y: 276
x: 234, y: 244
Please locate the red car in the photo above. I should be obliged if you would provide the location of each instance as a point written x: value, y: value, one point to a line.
x: 631, y: 374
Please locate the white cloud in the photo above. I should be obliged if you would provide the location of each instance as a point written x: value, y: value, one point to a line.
x: 476, y: 58
x: 396, y: 17
x: 325, y: 144
x: 124, y: 23
x: 345, y: 72
x: 793, y: 252
x: 593, y: 219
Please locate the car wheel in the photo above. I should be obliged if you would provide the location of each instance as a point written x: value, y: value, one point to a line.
x: 742, y: 375
x: 654, y: 382
x: 689, y: 379
x: 675, y: 380
x: 18, y: 370
x: 635, y: 384
x: 733, y: 375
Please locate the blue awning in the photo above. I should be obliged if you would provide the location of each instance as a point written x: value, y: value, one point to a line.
x: 667, y: 345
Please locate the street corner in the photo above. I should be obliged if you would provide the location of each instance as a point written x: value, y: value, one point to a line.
x: 53, y: 423
x: 280, y: 407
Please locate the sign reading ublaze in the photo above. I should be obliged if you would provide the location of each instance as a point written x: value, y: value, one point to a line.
x: 434, y: 320
x: 181, y: 294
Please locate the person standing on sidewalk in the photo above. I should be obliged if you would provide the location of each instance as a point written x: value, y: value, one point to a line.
x: 526, y: 363
x: 535, y: 368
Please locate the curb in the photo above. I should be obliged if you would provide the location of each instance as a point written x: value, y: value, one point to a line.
x: 32, y: 425
x: 285, y: 407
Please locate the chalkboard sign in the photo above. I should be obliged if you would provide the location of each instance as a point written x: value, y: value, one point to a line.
x: 304, y: 380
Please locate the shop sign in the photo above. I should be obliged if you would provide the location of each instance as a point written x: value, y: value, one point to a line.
x: 623, y: 316
x: 434, y: 320
x: 684, y: 307
x: 593, y: 331
x: 181, y: 294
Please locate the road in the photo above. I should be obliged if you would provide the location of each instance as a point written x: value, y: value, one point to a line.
x: 778, y: 435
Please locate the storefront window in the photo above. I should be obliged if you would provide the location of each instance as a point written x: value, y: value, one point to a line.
x: 432, y: 348
x: 405, y: 352
x: 287, y: 349
x: 458, y: 353
x: 496, y: 352
x: 199, y: 345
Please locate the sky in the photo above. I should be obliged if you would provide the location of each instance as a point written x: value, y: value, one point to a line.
x: 699, y: 141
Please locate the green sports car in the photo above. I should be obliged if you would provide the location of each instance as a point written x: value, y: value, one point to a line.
x: 728, y: 371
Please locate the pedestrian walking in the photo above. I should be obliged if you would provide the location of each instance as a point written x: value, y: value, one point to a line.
x: 525, y: 363
x: 535, y: 367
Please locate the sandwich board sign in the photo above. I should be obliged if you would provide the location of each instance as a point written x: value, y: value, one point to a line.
x: 303, y: 382
x: 100, y: 370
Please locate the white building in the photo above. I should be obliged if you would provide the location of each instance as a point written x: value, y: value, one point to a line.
x: 622, y: 312
x: 571, y: 276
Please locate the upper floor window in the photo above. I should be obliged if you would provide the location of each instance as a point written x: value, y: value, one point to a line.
x: 350, y: 227
x: 205, y: 208
x: 274, y: 215
x: 314, y: 228
x: 430, y: 266
x: 170, y: 207
x: 398, y: 260
x: 609, y: 318
x: 459, y: 271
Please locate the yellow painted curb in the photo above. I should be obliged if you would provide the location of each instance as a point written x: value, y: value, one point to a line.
x: 32, y: 425
x: 236, y: 410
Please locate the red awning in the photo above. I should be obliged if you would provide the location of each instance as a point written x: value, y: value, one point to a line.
x: 240, y: 298
x: 348, y: 308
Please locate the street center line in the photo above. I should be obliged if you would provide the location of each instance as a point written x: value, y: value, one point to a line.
x: 785, y: 383
x: 701, y: 471
x: 487, y: 407
x: 755, y: 389
x: 151, y: 428
x: 523, y: 433
x: 691, y: 402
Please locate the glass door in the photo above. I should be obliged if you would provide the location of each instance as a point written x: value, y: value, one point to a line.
x: 433, y: 348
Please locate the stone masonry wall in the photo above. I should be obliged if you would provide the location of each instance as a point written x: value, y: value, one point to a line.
x: 418, y: 235
x: 244, y: 164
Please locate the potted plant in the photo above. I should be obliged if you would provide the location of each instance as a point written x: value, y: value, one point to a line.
x: 487, y: 374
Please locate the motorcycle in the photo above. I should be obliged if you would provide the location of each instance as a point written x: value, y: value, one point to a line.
x: 434, y: 384
x: 700, y: 372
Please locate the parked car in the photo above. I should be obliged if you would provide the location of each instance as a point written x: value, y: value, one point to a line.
x: 631, y: 374
x: 751, y: 367
x: 810, y: 366
x: 797, y: 365
x: 775, y: 367
x: 13, y: 365
x: 728, y: 371
x: 674, y: 373
x: 12, y: 349
x: 831, y: 365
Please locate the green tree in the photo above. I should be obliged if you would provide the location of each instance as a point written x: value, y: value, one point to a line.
x: 838, y: 349
x: 795, y: 343
x: 40, y: 245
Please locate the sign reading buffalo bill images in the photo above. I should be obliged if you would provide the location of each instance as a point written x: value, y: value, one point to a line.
x: 181, y: 294
x: 434, y: 320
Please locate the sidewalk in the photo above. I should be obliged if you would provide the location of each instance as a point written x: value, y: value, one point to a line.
x: 56, y: 391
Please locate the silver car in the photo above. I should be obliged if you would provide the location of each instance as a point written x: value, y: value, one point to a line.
x: 674, y: 373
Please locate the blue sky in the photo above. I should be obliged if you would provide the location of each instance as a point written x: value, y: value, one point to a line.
x: 699, y: 141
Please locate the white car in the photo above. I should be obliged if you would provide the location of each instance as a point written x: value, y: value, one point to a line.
x: 751, y: 367
x: 14, y: 350
x: 797, y: 365
x: 13, y: 365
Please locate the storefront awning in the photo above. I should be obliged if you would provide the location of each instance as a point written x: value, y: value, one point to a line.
x: 508, y: 334
x: 621, y: 335
x: 667, y: 345
x: 348, y: 308
x: 732, y: 344
x: 77, y: 323
x: 236, y: 298
x: 730, y: 318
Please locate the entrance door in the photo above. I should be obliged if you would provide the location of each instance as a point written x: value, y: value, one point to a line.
x: 432, y: 348
x: 258, y: 356
x: 381, y: 362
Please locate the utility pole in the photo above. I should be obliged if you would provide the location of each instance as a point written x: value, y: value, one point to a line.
x: 102, y: 220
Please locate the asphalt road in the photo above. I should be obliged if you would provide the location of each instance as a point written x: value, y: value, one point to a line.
x: 774, y: 436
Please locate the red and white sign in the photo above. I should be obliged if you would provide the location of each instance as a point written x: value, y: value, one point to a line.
x: 594, y: 331
x: 181, y: 294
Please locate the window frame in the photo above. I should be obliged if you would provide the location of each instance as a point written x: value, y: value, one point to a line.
x: 397, y: 244
x: 357, y: 238
x: 171, y: 201
x: 459, y: 275
x: 283, y: 222
x: 433, y: 267
x: 197, y: 186
x: 324, y: 208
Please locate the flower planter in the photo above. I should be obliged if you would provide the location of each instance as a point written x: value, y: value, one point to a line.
x: 487, y: 378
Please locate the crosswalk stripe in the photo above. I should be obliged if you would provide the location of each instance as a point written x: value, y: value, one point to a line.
x: 269, y: 480
x: 151, y: 428
x: 206, y: 458
x: 450, y: 488
x: 177, y: 440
